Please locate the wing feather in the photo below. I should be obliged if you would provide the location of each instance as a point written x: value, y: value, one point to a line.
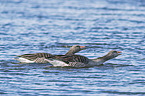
x: 72, y: 58
x: 35, y: 56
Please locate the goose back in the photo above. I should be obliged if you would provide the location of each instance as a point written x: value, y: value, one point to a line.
x: 35, y: 56
x: 73, y: 60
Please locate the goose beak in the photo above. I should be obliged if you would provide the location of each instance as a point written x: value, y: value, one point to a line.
x: 119, y: 52
x: 82, y: 47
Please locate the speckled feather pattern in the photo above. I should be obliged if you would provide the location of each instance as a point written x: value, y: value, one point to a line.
x: 37, y: 57
x: 73, y: 61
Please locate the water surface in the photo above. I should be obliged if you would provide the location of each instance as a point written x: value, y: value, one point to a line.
x: 32, y: 26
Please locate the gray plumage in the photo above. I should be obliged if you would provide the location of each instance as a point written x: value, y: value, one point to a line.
x: 82, y: 61
x: 41, y: 57
x: 35, y: 56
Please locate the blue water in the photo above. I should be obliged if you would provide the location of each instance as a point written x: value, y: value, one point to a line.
x: 32, y: 26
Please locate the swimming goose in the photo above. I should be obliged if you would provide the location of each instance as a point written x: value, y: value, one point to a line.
x: 41, y: 57
x: 81, y: 61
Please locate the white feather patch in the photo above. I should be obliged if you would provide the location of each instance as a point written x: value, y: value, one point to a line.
x: 57, y: 63
x: 24, y: 60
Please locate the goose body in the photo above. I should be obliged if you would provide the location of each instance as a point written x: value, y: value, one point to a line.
x: 41, y: 57
x: 72, y: 61
x: 80, y: 61
x: 34, y: 58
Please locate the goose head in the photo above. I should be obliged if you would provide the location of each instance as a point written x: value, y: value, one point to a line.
x: 74, y: 49
x: 113, y: 54
x: 77, y: 48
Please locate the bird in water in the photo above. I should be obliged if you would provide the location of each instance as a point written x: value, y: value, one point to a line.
x: 79, y: 61
x: 41, y: 57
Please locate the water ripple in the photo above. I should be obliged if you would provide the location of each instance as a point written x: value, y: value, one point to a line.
x: 49, y: 26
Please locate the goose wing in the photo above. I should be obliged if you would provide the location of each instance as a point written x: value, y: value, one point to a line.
x: 73, y: 61
x: 35, y: 56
